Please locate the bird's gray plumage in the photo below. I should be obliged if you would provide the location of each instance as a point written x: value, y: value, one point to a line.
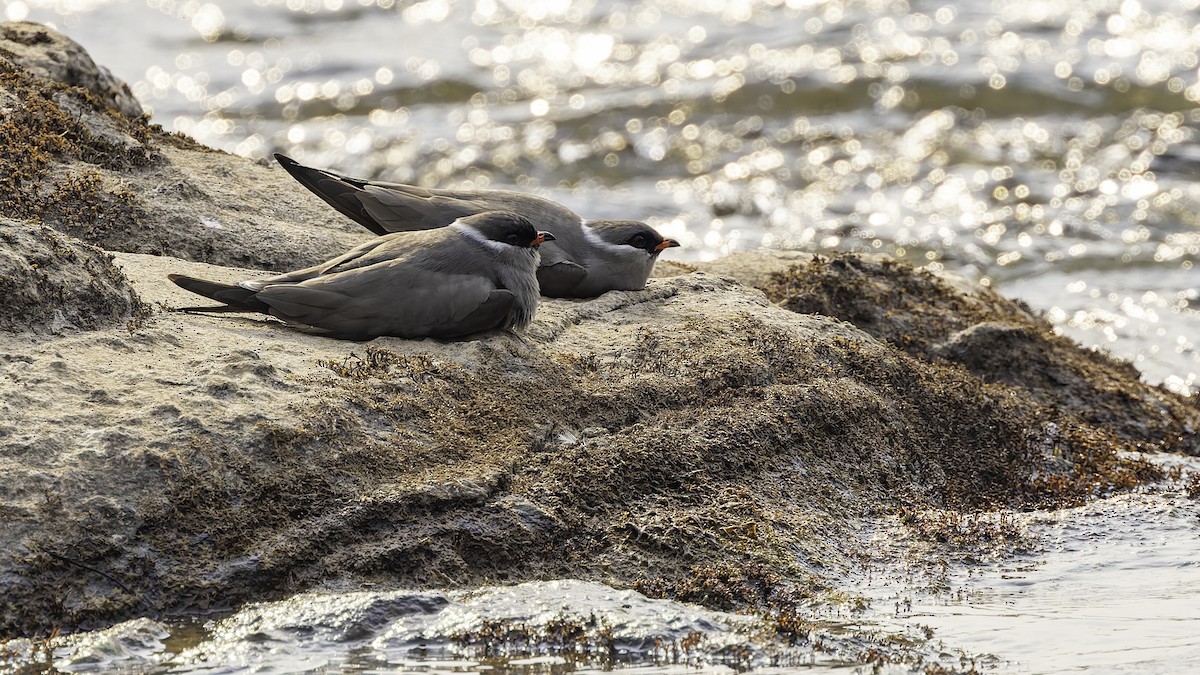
x: 587, y: 258
x: 476, y: 275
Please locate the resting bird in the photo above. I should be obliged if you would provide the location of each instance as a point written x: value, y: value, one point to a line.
x: 475, y: 275
x: 586, y: 259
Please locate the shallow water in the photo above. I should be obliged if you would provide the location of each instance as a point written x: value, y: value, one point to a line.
x: 538, y: 627
x: 1047, y: 147
x: 1117, y: 590
x: 1113, y: 587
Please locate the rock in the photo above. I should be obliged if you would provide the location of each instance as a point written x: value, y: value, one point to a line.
x: 697, y: 440
x: 688, y: 425
x: 71, y: 161
x: 46, y: 53
x: 50, y: 282
x: 944, y: 318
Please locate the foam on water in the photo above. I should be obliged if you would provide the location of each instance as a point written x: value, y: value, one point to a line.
x: 555, y: 626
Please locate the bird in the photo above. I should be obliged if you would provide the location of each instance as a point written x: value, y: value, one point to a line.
x: 586, y: 259
x: 477, y: 274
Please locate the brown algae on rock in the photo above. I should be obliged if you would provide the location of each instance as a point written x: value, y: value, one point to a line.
x: 996, y: 339
x: 609, y: 445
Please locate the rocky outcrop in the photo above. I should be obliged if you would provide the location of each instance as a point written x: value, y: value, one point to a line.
x: 50, y: 282
x: 71, y: 160
x: 948, y: 320
x: 50, y: 55
x: 203, y: 461
x: 940, y: 319
x: 697, y: 440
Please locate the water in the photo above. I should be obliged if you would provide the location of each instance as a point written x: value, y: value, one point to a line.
x: 536, y: 627
x: 1111, y: 587
x: 1116, y: 590
x: 1045, y: 147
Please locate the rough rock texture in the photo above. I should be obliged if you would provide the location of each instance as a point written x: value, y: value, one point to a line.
x: 50, y: 282
x: 73, y: 162
x: 947, y: 319
x: 694, y: 440
x: 637, y: 439
x: 937, y: 319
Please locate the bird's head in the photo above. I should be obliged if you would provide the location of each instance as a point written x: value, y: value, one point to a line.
x: 628, y: 235
x: 506, y: 228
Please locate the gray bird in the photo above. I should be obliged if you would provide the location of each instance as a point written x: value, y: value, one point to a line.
x: 586, y: 259
x: 475, y: 275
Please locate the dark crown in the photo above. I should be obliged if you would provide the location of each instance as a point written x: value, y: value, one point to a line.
x: 503, y: 226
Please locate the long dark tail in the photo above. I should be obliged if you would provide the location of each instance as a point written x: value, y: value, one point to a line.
x: 236, y: 298
x: 337, y: 191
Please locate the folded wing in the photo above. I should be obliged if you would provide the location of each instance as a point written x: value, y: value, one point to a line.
x: 383, y: 207
x: 389, y: 300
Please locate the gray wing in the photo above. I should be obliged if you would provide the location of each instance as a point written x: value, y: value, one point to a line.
x: 385, y: 300
x: 396, y: 246
x: 340, y: 192
x: 495, y: 312
x: 393, y: 207
x: 398, y: 208
x: 557, y: 274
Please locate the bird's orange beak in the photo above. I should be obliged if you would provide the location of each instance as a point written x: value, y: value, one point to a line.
x: 666, y: 243
x: 541, y: 238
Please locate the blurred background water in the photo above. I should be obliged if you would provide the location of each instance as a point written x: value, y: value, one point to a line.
x: 1045, y: 147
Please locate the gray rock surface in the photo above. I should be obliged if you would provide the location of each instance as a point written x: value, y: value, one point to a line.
x: 205, y: 460
x: 123, y: 184
x: 50, y: 283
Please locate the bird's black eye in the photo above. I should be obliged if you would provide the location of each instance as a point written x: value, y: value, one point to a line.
x: 512, y: 239
x: 638, y: 241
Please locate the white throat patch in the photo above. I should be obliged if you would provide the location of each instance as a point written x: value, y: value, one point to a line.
x: 476, y: 235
